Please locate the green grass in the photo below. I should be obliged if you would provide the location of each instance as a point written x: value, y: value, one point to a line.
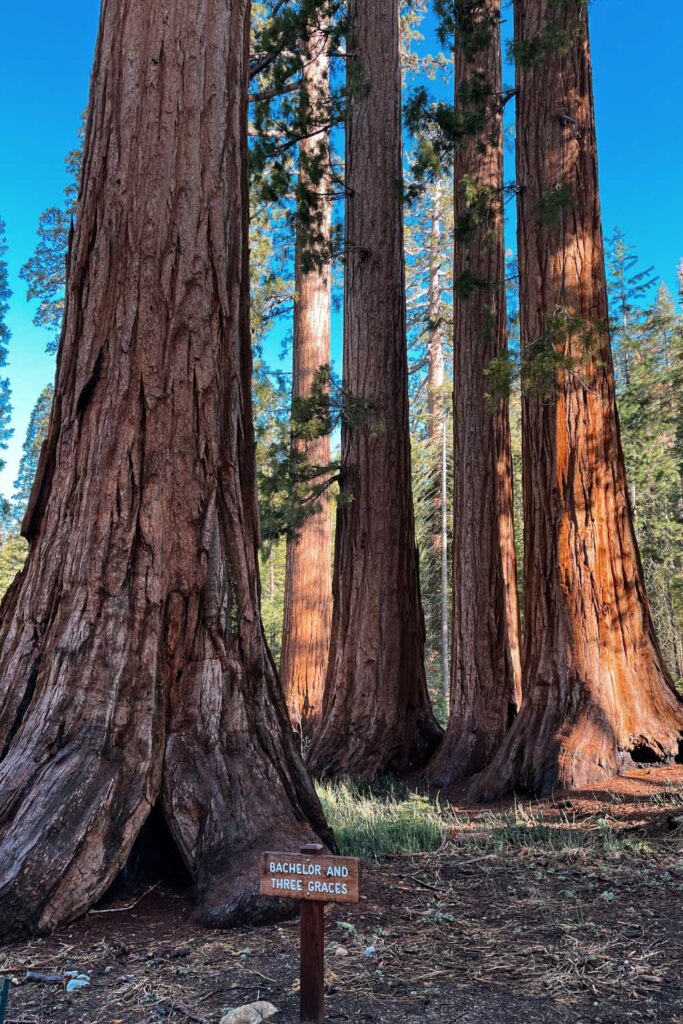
x: 387, y: 818
x: 373, y: 822
x: 671, y: 796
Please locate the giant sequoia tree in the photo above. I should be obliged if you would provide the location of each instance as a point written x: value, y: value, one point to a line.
x: 376, y: 711
x: 308, y: 578
x: 133, y: 665
x: 596, y: 693
x: 486, y: 670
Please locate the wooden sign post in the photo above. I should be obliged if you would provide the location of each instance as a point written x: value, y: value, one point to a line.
x: 315, y: 879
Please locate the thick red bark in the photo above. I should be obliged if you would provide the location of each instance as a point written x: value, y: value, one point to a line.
x: 132, y: 659
x: 308, y: 577
x: 486, y: 668
x: 376, y: 712
x: 596, y: 693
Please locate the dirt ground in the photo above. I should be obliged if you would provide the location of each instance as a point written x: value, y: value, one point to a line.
x: 543, y: 912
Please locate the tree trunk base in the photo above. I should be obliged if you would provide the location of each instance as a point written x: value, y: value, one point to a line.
x: 540, y: 757
x: 460, y: 755
x: 368, y: 755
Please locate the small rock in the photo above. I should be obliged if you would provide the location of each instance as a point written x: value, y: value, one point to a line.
x: 251, y: 1013
x: 340, y: 951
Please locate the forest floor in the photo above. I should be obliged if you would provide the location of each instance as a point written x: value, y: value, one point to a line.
x: 564, y: 911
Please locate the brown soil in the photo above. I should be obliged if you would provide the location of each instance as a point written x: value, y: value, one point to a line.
x: 566, y: 911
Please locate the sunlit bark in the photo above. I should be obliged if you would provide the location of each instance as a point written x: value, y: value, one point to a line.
x: 308, y: 578
x: 597, y: 697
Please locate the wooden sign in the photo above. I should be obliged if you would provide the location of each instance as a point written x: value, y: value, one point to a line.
x: 315, y: 879
x: 307, y: 876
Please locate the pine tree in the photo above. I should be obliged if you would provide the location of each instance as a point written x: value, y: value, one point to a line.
x: 45, y: 271
x: 627, y: 287
x: 5, y: 335
x: 648, y: 404
x: 36, y: 434
x: 429, y: 291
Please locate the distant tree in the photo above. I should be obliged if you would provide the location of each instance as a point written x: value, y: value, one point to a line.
x: 36, y: 434
x: 648, y: 347
x: 272, y: 423
x: 45, y: 271
x: 628, y: 286
x: 13, y: 547
x: 13, y: 552
x: 649, y: 405
x: 308, y: 581
x: 5, y: 335
x: 429, y: 292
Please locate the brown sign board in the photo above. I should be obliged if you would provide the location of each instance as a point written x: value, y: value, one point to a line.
x: 304, y: 876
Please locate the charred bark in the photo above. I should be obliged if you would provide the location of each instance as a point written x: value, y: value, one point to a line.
x: 376, y: 713
x: 486, y: 668
x: 308, y: 574
x: 597, y: 696
x: 133, y: 664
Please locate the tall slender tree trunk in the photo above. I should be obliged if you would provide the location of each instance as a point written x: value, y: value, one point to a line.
x: 486, y: 669
x: 597, y: 696
x: 308, y: 576
x: 376, y: 713
x: 435, y: 348
x: 436, y: 426
x: 133, y: 664
x: 443, y: 510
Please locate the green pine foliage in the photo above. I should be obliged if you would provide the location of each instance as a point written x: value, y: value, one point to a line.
x: 45, y: 271
x: 13, y: 553
x: 272, y: 562
x: 13, y: 547
x: 426, y: 457
x: 647, y: 336
x: 283, y: 113
x: 5, y: 335
x: 35, y: 435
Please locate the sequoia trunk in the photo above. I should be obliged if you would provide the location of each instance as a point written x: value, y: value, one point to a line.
x: 376, y: 712
x: 596, y: 693
x: 308, y: 577
x: 486, y: 669
x: 132, y: 659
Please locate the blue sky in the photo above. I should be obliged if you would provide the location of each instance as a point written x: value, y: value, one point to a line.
x: 46, y: 51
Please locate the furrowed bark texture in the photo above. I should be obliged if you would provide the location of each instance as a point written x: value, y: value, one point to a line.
x: 596, y: 692
x: 132, y: 660
x: 376, y: 712
x: 486, y: 664
x: 308, y: 574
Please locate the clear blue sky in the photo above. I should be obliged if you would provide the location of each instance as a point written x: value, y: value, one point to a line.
x: 45, y: 56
